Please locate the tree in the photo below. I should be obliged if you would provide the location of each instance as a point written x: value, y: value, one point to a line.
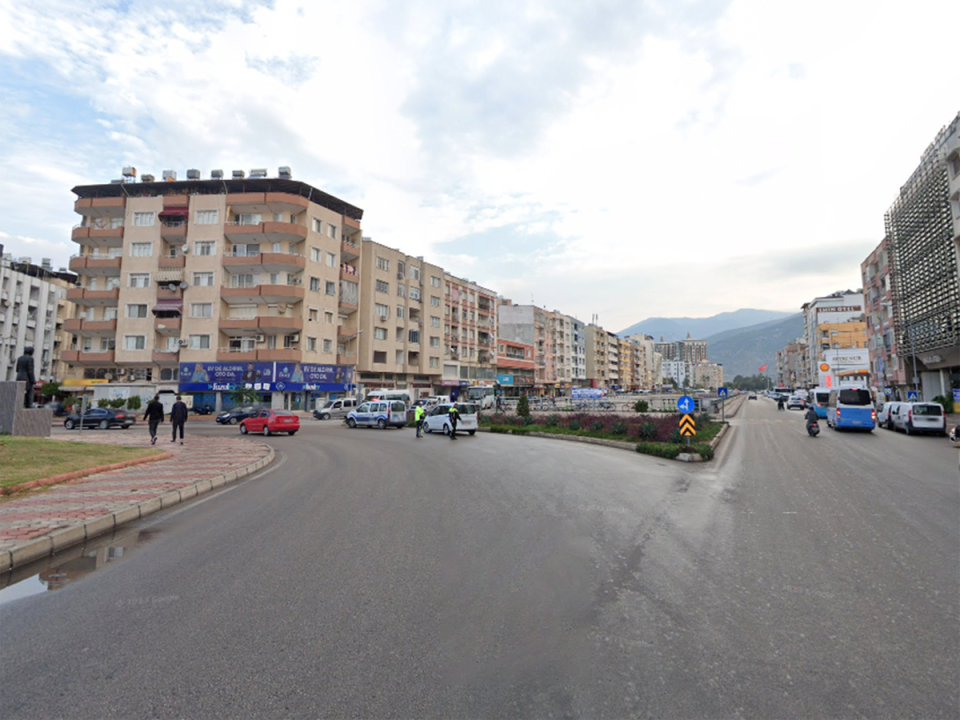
x: 523, y: 407
x: 50, y: 389
x: 245, y: 396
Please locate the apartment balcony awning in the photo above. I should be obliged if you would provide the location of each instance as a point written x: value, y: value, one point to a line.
x: 168, y: 305
x: 178, y: 210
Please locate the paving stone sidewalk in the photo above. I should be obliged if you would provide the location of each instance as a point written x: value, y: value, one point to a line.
x: 43, y: 522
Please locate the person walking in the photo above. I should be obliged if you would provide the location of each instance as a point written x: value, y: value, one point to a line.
x: 154, y: 416
x: 178, y: 416
x: 454, y: 415
x: 418, y: 414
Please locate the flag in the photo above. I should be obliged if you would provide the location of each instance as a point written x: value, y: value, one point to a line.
x: 762, y: 368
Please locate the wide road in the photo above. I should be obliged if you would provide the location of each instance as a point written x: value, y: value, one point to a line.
x: 372, y: 575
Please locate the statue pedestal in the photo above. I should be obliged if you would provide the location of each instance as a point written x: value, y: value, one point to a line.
x: 18, y: 420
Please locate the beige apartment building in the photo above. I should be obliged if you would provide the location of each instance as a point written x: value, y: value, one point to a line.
x: 470, y: 333
x: 402, y: 321
x: 210, y: 286
x: 597, y: 360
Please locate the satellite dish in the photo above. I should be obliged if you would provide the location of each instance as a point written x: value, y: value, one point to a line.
x: 183, y: 286
x: 161, y: 326
x: 172, y: 286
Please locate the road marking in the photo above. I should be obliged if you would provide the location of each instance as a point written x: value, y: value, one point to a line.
x: 789, y: 512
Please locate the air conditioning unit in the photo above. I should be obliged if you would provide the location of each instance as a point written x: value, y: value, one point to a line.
x: 281, y: 307
x: 295, y: 338
x: 183, y: 342
x: 121, y: 372
x: 261, y: 338
x: 185, y: 249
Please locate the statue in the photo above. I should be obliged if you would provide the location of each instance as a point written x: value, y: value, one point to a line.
x: 25, y: 374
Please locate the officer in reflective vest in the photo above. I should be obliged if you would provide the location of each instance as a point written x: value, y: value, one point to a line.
x: 418, y: 414
x: 454, y: 416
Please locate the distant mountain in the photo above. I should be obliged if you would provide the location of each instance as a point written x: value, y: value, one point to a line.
x: 671, y: 329
x: 745, y: 350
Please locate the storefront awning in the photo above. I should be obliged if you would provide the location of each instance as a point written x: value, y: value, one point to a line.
x: 165, y: 305
x: 180, y: 211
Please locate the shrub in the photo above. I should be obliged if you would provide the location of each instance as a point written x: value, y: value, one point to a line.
x: 641, y: 406
x: 676, y: 437
x: 528, y: 420
x: 619, y: 428
x: 596, y: 426
x: 103, y: 402
x: 523, y: 407
x: 50, y: 389
x: 134, y: 403
x: 118, y: 403
x: 647, y: 431
x: 945, y: 402
x: 574, y: 425
x: 553, y: 421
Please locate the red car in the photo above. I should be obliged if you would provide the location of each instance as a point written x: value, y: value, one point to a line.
x: 271, y: 421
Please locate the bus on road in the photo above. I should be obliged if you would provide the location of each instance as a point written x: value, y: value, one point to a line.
x: 851, y: 408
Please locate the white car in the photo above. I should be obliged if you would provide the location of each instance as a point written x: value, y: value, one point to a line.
x: 438, y: 419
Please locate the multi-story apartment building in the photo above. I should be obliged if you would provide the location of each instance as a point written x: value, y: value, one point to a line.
x: 840, y: 307
x: 689, y: 351
x: 613, y: 361
x: 922, y: 228
x: 789, y: 365
x: 401, y: 343
x: 217, y: 285
x: 562, y: 351
x: 516, y: 369
x: 597, y: 357
x: 578, y: 352
x: 33, y: 311
x: 675, y: 370
x: 649, y: 362
x: 470, y: 318
x: 628, y: 364
x: 708, y: 375
x: 886, y: 364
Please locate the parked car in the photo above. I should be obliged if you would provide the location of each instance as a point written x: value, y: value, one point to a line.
x: 885, y: 414
x: 335, y: 408
x: 379, y: 413
x: 920, y: 417
x: 796, y: 402
x: 203, y: 409
x: 232, y: 417
x: 103, y: 418
x: 438, y: 419
x: 268, y: 422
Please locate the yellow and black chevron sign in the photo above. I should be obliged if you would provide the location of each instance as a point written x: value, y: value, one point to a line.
x: 687, y: 426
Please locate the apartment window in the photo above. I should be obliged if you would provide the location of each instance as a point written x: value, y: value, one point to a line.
x: 134, y: 342
x: 139, y: 280
x: 434, y: 281
x: 383, y: 286
x: 380, y: 357
x: 332, y: 231
x: 434, y: 321
x: 399, y: 357
x: 291, y: 342
x: 415, y: 273
x: 383, y: 264
x: 434, y: 342
x: 313, y: 315
x: 331, y: 259
x: 316, y: 254
x: 243, y: 312
x: 314, y: 284
x: 205, y: 247
x: 243, y: 343
x: 244, y: 281
x: 434, y: 301
x: 144, y: 249
x: 199, y: 342
x: 381, y: 310
x: 249, y: 219
x: 401, y: 290
x: 414, y: 336
x: 144, y: 219
x: 379, y: 333
x: 400, y: 332
x: 331, y: 288
x: 317, y: 225
x: 108, y: 344
x: 136, y: 311
x: 400, y: 311
x: 201, y: 310
x: 110, y: 313
x: 203, y: 279
x: 248, y: 250
x: 206, y: 217
x: 501, y: 348
x: 414, y: 293
x: 401, y: 269
x: 328, y: 346
x: 311, y: 344
x: 434, y: 362
x: 328, y: 317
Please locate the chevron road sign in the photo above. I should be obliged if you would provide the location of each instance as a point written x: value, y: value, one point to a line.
x: 687, y: 426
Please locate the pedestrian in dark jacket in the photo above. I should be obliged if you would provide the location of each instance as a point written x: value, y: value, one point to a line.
x: 154, y: 416
x: 178, y: 416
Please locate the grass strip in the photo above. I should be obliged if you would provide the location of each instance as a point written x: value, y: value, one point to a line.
x: 24, y: 459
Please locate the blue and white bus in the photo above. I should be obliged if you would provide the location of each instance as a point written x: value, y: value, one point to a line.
x: 851, y: 407
x: 819, y: 398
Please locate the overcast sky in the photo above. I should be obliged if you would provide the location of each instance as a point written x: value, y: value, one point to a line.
x: 624, y: 159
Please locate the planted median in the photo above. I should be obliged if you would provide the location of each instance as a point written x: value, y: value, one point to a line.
x: 652, y: 434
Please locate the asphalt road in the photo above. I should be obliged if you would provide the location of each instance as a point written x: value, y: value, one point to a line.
x: 373, y: 575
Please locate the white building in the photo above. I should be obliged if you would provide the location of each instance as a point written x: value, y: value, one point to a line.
x: 843, y: 366
x: 839, y: 307
x: 675, y: 370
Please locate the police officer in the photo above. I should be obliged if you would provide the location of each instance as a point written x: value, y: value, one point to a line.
x: 454, y: 414
x: 418, y: 414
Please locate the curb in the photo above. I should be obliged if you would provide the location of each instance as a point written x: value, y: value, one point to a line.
x: 77, y: 474
x: 56, y: 541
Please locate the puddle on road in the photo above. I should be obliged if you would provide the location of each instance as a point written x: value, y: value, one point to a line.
x: 56, y: 572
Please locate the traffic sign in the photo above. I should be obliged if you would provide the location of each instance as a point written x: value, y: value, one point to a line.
x: 722, y: 392
x: 687, y: 426
x: 686, y: 404
x: 888, y: 391
x: 912, y: 396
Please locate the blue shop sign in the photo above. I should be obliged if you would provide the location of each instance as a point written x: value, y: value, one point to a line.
x: 216, y: 377
x: 296, y: 377
x: 505, y: 379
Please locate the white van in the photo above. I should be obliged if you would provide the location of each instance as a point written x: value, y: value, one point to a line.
x: 386, y: 394
x: 920, y: 417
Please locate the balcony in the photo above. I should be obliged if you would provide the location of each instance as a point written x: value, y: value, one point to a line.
x: 170, y: 262
x: 100, y: 207
x: 265, y: 232
x: 350, y: 226
x: 267, y: 203
x: 167, y: 325
x: 166, y: 357
x: 346, y: 333
x: 80, y: 357
x: 92, y: 265
x: 174, y: 231
x: 346, y: 358
x: 227, y: 323
x: 262, y: 294
x: 266, y: 262
x: 349, y: 250
x: 280, y: 355
x: 349, y: 272
x: 175, y: 201
x: 79, y: 326
x: 275, y: 324
x: 83, y: 296
x: 107, y: 236
x: 234, y: 356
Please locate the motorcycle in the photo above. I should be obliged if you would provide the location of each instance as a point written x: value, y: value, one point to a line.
x: 813, y: 429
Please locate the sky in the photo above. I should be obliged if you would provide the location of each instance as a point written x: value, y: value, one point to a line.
x: 609, y: 158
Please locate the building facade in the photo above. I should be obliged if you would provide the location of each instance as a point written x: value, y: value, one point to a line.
x: 470, y: 333
x: 840, y: 307
x: 516, y: 369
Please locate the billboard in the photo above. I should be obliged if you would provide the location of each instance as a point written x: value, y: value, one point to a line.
x: 505, y: 379
x: 264, y: 377
x: 586, y: 393
x: 296, y: 377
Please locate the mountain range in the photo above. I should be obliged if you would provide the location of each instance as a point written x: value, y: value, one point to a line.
x: 742, y: 340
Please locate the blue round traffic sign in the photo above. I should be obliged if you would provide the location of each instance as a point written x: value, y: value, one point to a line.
x: 686, y: 404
